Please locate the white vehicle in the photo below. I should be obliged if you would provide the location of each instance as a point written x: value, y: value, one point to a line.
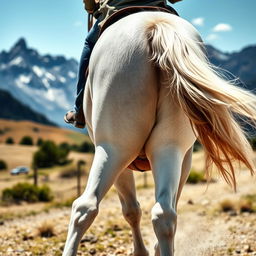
x: 19, y: 170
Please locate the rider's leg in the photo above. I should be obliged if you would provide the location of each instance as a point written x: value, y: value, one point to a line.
x: 76, y: 117
x: 125, y: 186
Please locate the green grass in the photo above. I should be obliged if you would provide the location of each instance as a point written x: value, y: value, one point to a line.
x: 78, y: 138
x: 196, y: 177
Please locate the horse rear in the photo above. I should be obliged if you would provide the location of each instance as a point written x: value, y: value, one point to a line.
x: 138, y: 97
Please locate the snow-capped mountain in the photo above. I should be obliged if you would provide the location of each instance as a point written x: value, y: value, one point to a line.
x: 45, y: 83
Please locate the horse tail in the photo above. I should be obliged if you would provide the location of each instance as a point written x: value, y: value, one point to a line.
x: 210, y: 101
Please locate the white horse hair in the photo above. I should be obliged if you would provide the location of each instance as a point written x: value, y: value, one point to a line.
x: 151, y: 88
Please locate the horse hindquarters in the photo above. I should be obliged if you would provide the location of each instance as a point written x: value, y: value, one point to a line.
x: 129, y: 108
x: 120, y: 113
x: 122, y: 91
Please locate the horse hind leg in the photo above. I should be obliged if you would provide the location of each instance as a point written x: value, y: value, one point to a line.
x: 166, y: 165
x: 107, y: 165
x: 186, y: 166
x: 125, y: 186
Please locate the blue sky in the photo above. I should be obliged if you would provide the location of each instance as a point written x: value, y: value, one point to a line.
x: 60, y: 26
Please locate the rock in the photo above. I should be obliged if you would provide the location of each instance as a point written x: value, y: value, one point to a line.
x: 91, y: 239
x: 232, y: 213
x: 27, y: 237
x: 92, y: 251
x: 190, y: 201
x: 247, y: 248
x: 9, y: 250
x: 205, y: 202
x: 117, y: 228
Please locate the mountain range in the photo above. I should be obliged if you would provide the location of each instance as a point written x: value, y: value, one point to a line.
x: 46, y: 83
x: 241, y: 64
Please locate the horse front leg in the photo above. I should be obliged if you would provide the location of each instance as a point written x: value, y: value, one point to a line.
x: 107, y: 165
x: 125, y: 186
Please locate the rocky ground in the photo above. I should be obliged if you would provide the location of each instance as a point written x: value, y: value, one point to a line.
x: 204, y: 228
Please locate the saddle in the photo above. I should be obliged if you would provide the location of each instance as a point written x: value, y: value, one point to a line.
x: 135, y: 9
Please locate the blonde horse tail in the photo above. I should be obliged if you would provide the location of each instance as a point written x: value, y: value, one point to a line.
x: 211, y: 102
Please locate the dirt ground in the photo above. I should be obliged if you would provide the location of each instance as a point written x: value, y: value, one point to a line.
x: 203, y: 229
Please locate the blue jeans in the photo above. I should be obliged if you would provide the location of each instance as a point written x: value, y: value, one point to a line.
x: 89, y: 43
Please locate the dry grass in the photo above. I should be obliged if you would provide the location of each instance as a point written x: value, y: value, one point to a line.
x: 46, y: 229
x: 245, y: 206
x: 245, y: 203
x: 17, y: 155
x: 228, y: 205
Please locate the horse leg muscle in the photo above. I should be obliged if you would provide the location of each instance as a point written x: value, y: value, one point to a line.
x: 186, y: 165
x: 107, y: 165
x: 125, y: 186
x: 166, y: 162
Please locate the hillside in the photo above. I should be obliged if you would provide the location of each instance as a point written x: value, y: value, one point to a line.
x: 12, y: 109
x: 18, y: 129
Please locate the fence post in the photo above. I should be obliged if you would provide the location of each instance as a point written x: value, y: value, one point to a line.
x: 35, y: 175
x: 79, y: 172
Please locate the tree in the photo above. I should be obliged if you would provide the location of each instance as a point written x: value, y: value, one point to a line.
x: 3, y: 165
x: 39, y: 142
x: 49, y: 154
x: 86, y: 147
x: 9, y: 140
x: 26, y: 140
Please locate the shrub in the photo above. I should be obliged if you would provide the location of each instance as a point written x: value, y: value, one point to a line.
x: 36, y: 129
x: 248, y: 203
x: 46, y: 229
x: 45, y: 194
x: 195, y: 177
x: 65, y: 146
x: 39, y: 142
x: 245, y: 206
x: 228, y: 206
x: 3, y: 165
x: 9, y: 140
x: 26, y: 140
x: 70, y: 174
x: 86, y: 147
x: 197, y: 146
x: 27, y: 192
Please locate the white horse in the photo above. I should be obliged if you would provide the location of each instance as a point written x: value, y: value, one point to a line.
x: 150, y: 88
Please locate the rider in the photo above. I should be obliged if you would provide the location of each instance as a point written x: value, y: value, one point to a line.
x: 101, y: 11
